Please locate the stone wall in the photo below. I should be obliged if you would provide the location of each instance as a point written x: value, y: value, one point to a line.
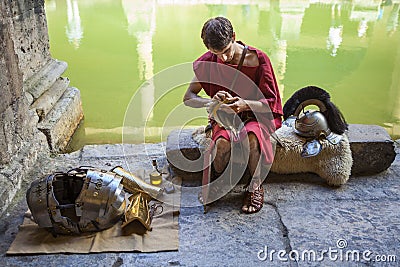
x: 30, y: 36
x: 34, y: 99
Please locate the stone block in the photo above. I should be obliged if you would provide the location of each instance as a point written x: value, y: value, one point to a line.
x: 30, y: 35
x: 21, y: 7
x: 20, y: 130
x: 7, y: 130
x: 121, y: 150
x: 4, y: 155
x: 10, y: 75
x: 181, y: 149
x: 6, y: 90
x: 13, y: 174
x: 45, y: 78
x: 7, y: 192
x: 372, y: 149
x: 61, y: 122
x: 48, y: 99
x: 371, y: 146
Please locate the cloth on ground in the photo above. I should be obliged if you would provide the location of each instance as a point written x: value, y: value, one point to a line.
x: 31, y: 239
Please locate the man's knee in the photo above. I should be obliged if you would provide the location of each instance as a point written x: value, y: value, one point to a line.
x: 223, y: 146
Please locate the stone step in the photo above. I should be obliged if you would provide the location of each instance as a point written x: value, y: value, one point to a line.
x: 48, y: 99
x: 44, y: 78
x: 60, y: 123
x: 373, y: 151
x: 372, y: 148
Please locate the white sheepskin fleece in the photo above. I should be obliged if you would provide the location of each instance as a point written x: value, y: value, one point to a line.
x: 333, y: 163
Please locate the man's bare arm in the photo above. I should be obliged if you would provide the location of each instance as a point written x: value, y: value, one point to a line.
x: 239, y: 105
x: 192, y: 98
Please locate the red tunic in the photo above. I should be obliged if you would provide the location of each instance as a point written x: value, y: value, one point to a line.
x: 258, y: 83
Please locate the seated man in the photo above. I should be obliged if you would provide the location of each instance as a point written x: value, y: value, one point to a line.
x: 242, y: 79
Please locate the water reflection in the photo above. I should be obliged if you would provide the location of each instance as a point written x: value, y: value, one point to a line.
x: 393, y: 20
x: 351, y: 48
x: 73, y: 30
x: 335, y: 31
x: 285, y: 25
x: 141, y: 17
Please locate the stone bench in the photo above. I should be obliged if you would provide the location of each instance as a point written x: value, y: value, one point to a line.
x: 372, y: 149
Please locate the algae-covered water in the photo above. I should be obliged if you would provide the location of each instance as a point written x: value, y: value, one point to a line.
x: 112, y: 47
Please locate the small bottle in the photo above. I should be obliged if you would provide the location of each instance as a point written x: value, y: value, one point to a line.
x: 169, y: 188
x: 155, y: 175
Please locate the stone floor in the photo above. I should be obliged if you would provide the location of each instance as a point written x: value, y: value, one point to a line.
x: 303, y: 223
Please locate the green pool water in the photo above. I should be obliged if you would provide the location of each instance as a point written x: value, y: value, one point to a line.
x: 349, y: 48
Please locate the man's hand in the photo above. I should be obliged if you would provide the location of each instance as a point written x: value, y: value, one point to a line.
x: 219, y: 101
x: 222, y: 96
x: 237, y: 104
x: 228, y: 103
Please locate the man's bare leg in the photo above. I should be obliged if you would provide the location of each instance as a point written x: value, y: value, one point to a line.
x: 254, y: 165
x: 221, y: 155
x: 223, y: 152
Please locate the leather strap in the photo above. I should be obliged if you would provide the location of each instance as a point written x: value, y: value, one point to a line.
x: 239, y: 67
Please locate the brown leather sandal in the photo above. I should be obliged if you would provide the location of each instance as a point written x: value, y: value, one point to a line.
x: 253, y: 199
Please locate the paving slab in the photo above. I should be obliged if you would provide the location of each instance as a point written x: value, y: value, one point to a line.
x: 354, y: 231
x: 301, y: 214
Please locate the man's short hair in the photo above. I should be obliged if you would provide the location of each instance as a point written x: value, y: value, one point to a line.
x: 217, y: 33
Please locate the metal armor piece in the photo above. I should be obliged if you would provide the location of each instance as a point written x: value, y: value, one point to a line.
x: 312, y: 124
x: 326, y: 123
x: 133, y: 183
x: 333, y: 138
x: 308, y: 102
x: 289, y: 122
x: 311, y: 148
x: 137, y: 218
x: 81, y: 200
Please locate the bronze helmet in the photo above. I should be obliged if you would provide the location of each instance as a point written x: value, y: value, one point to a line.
x: 311, y: 124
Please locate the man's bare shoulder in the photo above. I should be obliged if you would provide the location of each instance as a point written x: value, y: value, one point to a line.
x: 251, y: 59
